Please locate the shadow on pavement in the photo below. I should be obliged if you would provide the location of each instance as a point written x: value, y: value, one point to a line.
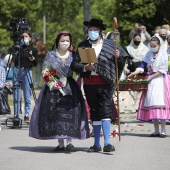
x: 49, y: 149
x: 139, y: 135
x: 46, y: 149
x: 135, y: 134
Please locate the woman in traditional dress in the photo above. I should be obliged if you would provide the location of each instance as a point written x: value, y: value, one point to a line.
x: 60, y: 112
x: 137, y: 51
x: 154, y: 103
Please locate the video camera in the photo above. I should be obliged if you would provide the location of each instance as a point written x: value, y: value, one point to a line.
x: 18, y: 26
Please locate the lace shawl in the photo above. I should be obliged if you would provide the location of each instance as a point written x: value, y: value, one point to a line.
x: 161, y: 61
x: 139, y: 53
x: 54, y: 62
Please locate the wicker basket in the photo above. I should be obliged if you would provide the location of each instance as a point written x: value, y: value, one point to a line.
x: 141, y: 77
x: 133, y: 86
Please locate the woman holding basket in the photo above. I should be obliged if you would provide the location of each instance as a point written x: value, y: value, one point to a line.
x: 154, y: 103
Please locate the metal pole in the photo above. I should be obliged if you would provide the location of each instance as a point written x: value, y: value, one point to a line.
x: 44, y: 29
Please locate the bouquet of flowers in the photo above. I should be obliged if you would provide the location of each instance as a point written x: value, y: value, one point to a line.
x: 51, y: 76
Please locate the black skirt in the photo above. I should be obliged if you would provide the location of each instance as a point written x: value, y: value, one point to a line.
x: 62, y: 115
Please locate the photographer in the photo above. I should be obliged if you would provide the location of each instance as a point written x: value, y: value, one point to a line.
x: 140, y: 29
x: 22, y: 75
x: 145, y: 36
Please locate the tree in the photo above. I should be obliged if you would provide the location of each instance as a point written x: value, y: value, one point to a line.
x: 70, y: 14
x: 104, y: 10
x: 10, y: 10
x: 150, y: 13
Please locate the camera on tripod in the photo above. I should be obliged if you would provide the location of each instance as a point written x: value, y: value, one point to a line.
x: 18, y: 26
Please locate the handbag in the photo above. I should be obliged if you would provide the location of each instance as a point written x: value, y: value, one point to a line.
x: 4, y: 106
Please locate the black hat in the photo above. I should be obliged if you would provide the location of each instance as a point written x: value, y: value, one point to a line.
x: 96, y: 23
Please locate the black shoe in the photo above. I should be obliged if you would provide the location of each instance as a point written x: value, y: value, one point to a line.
x: 58, y: 149
x: 26, y: 119
x: 162, y: 135
x: 91, y: 134
x: 69, y: 147
x: 154, y: 135
x: 108, y: 148
x: 94, y: 149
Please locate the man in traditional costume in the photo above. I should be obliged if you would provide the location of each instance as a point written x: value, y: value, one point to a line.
x: 99, y: 80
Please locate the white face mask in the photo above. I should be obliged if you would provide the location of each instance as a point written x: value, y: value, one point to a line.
x: 64, y: 45
x: 93, y: 35
x: 25, y: 41
x: 155, y: 49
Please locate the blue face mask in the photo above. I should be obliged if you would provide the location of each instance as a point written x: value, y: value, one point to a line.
x: 93, y: 35
x: 25, y: 41
x: 154, y: 49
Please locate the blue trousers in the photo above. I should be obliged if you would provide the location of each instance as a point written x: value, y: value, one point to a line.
x: 25, y: 76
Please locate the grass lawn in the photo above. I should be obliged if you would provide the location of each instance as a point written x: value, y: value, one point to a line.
x: 10, y: 101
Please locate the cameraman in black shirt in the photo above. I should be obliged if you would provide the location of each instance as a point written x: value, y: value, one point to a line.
x: 22, y: 74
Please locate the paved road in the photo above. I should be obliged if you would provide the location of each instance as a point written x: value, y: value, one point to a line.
x: 135, y: 150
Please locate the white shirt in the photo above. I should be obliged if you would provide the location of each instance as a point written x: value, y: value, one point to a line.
x: 97, y: 48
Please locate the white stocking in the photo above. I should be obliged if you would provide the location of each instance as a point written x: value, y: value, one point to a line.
x: 69, y: 140
x: 61, y: 143
x: 163, y: 130
x: 156, y: 126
